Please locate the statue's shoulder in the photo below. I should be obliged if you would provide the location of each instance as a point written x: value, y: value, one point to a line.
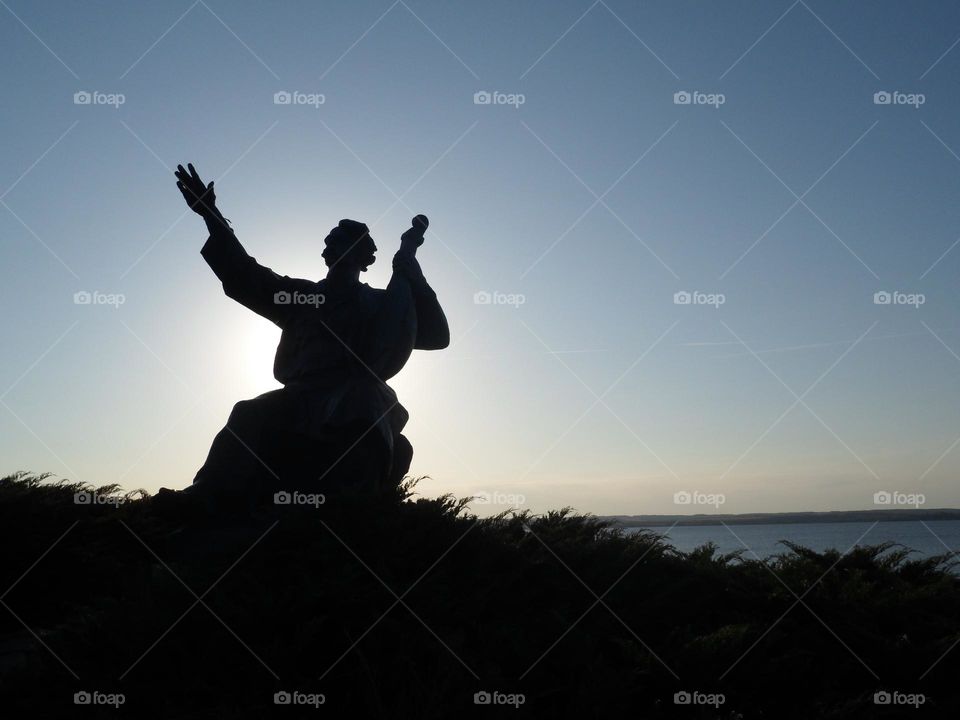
x: 371, y: 292
x: 306, y: 285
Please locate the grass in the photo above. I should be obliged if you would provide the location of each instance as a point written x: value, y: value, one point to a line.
x: 404, y: 607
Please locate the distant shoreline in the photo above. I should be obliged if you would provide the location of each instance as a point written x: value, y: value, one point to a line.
x: 833, y: 516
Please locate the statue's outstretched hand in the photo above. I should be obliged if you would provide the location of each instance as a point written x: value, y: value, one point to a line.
x: 199, y: 197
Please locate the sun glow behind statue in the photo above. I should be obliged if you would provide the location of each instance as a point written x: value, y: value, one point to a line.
x: 258, y: 345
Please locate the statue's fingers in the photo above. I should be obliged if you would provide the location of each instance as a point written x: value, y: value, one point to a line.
x: 187, y: 193
x: 187, y: 182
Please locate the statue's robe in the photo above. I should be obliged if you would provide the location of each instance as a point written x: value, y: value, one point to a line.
x: 337, y: 348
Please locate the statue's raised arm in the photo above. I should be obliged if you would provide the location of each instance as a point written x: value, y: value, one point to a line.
x: 244, y: 279
x: 433, y: 333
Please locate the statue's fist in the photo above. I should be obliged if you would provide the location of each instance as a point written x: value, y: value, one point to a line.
x: 413, y: 238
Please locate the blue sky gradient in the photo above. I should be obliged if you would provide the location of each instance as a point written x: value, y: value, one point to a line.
x: 596, y: 200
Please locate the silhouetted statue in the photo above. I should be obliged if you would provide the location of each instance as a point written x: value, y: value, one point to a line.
x: 335, y: 425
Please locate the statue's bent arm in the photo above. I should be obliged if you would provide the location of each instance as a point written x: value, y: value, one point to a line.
x: 245, y: 280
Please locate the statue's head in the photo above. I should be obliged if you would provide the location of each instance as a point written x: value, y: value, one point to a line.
x: 349, y: 245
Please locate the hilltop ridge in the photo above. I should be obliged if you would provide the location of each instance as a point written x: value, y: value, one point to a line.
x: 414, y: 607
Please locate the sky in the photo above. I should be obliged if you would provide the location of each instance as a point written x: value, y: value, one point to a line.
x: 789, y: 169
